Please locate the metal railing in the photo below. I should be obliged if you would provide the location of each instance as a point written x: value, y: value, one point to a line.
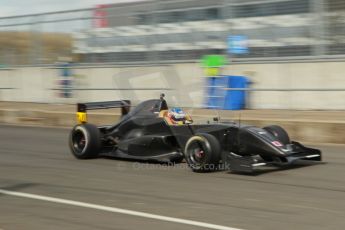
x: 175, y: 31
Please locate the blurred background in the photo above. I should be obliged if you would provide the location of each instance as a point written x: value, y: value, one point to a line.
x: 290, y: 53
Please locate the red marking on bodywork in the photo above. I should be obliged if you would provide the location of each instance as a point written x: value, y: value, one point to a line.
x: 277, y: 143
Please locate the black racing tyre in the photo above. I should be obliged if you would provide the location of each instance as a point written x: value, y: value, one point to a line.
x: 203, y: 152
x: 85, y: 141
x: 279, y: 133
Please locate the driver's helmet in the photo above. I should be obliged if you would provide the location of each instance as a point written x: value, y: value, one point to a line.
x: 177, y: 116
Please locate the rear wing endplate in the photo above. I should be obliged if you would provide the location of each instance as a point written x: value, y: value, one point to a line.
x: 82, y: 108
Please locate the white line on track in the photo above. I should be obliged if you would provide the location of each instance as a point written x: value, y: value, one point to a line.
x: 117, y: 210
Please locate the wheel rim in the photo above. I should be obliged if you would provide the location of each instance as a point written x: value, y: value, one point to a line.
x: 79, y: 141
x: 197, y: 153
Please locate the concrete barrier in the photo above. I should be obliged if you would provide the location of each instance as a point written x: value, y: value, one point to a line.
x: 183, y: 84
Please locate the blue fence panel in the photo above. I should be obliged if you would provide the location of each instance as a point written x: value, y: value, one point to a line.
x: 218, y: 98
x: 236, y: 100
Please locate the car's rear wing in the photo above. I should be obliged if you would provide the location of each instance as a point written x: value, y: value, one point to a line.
x: 125, y: 106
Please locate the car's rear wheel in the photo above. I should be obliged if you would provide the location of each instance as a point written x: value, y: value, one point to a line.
x: 279, y: 133
x: 203, y: 153
x: 84, y: 141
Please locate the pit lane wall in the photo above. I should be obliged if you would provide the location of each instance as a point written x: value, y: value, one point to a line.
x: 184, y: 84
x: 305, y: 126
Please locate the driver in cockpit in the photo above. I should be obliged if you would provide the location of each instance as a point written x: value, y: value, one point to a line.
x: 176, y: 116
x: 173, y: 116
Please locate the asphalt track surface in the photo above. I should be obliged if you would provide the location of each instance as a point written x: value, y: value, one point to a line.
x: 37, y: 161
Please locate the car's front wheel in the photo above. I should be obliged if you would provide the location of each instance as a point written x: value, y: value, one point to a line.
x: 85, y: 141
x: 203, y: 153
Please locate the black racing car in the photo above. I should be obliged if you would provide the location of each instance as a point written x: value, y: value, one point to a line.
x: 148, y: 133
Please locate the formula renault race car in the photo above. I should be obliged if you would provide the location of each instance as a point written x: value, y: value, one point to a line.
x: 152, y: 132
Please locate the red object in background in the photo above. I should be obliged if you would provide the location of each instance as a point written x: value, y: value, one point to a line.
x: 100, y: 16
